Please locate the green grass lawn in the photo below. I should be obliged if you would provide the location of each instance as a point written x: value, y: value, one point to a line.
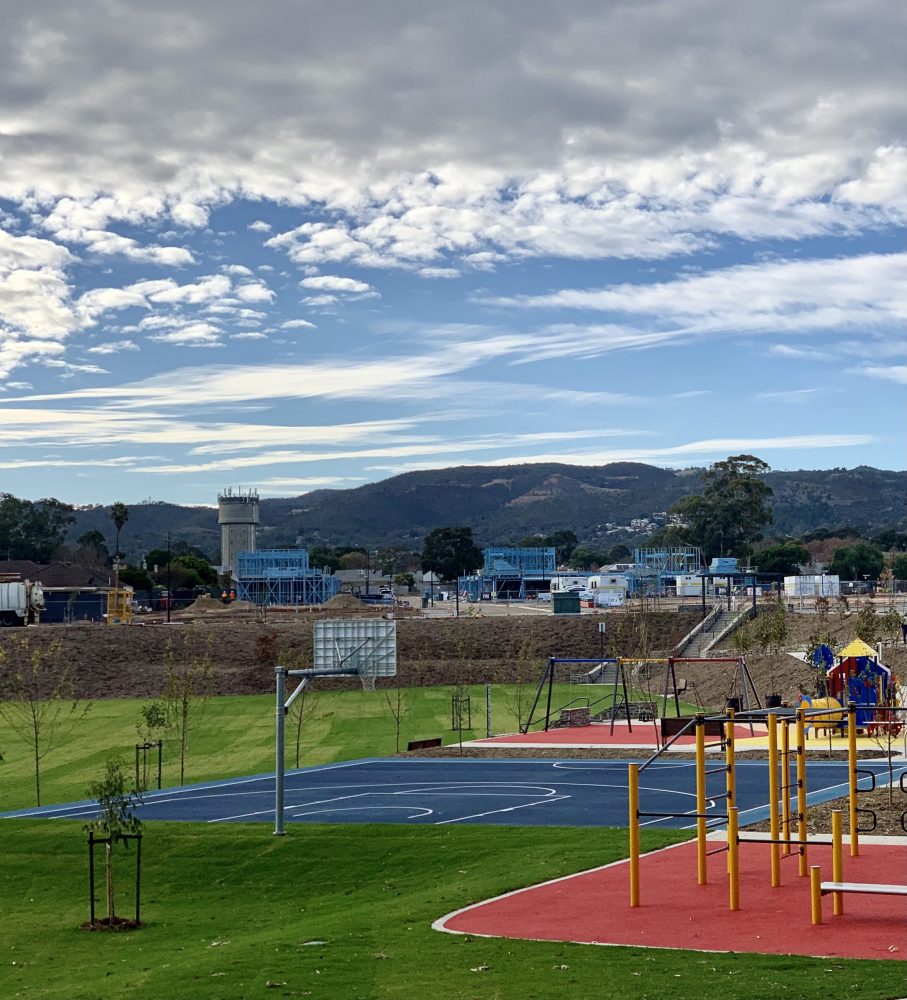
x: 341, y: 912
x: 235, y: 736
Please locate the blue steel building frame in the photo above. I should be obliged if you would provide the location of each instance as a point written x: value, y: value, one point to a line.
x: 282, y: 577
x: 654, y: 568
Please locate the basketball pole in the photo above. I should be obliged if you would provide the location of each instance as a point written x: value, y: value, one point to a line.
x: 280, y: 721
x: 280, y: 716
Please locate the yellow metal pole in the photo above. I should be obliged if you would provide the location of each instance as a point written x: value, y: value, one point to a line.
x: 801, y: 792
x: 729, y: 759
x: 785, y: 781
x: 815, y: 893
x: 733, y: 857
x: 701, y: 858
x: 730, y: 767
x: 837, y: 858
x: 852, y: 778
x: 633, y: 785
x: 774, y: 832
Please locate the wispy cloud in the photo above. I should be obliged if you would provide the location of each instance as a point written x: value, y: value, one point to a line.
x: 896, y: 373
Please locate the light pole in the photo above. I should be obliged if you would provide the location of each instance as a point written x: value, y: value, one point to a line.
x: 169, y: 588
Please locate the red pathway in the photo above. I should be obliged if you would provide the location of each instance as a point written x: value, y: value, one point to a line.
x: 645, y: 734
x: 593, y: 907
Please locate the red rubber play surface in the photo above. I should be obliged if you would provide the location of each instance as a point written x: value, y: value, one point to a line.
x: 593, y: 907
x: 644, y: 734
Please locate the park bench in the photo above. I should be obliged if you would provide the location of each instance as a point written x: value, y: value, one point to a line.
x: 671, y: 727
x: 424, y: 744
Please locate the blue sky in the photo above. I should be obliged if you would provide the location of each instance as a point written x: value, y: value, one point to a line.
x: 305, y: 246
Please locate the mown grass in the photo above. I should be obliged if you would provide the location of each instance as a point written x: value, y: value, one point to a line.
x: 234, y: 735
x: 345, y: 912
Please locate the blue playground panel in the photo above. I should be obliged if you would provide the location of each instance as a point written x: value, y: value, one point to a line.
x: 500, y: 792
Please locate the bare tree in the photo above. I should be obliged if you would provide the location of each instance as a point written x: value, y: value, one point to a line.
x: 302, y: 709
x: 397, y: 698
x: 187, y: 685
x: 518, y: 696
x: 38, y: 700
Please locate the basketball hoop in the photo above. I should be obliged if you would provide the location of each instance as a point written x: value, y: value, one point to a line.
x: 368, y: 673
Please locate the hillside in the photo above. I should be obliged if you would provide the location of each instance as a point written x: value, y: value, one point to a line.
x: 506, y: 503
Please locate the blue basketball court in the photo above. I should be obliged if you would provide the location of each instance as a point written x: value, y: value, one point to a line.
x: 450, y: 791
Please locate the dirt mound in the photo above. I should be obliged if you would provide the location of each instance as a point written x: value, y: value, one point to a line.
x: 343, y: 602
x: 203, y: 604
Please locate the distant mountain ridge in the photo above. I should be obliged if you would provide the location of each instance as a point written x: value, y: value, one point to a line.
x: 503, y: 504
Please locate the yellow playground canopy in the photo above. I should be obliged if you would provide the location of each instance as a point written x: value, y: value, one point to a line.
x: 857, y: 648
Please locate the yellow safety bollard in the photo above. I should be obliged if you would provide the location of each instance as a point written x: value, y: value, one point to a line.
x: 815, y: 893
x: 837, y: 858
x: 801, y: 793
x: 633, y: 785
x: 785, y: 782
x: 733, y: 855
x: 774, y: 833
x: 852, y: 777
x: 702, y: 873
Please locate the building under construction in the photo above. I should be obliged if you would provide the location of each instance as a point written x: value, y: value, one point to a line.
x: 283, y: 577
x: 512, y: 573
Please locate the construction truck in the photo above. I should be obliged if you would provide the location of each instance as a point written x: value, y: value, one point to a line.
x: 20, y: 603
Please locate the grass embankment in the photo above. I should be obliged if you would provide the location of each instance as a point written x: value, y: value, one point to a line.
x: 234, y: 735
x: 345, y: 912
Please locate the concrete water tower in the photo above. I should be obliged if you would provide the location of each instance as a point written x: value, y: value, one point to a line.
x: 238, y: 515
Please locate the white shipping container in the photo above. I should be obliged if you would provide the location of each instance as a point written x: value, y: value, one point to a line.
x: 616, y: 582
x: 690, y: 585
x: 812, y: 586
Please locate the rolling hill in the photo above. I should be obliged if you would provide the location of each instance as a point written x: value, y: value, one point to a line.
x: 506, y: 503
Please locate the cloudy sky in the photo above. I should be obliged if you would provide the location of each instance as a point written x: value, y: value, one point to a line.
x: 298, y: 245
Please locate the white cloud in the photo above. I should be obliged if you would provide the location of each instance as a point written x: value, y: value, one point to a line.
x: 254, y: 292
x: 297, y: 324
x: 73, y: 369
x: 438, y: 272
x: 240, y: 270
x: 796, y: 397
x: 191, y: 335
x: 188, y: 214
x: 335, y: 283
x: 801, y: 353
x: 577, y: 133
x: 896, y: 373
x: 114, y: 347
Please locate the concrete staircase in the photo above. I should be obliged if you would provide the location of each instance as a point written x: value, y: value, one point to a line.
x: 719, y: 624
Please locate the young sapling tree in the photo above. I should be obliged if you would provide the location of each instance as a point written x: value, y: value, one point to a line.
x: 116, y: 820
x: 37, y: 699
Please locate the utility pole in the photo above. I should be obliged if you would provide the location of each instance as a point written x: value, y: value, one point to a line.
x: 169, y: 588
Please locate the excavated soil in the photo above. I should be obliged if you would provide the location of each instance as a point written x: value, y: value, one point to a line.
x: 245, y: 645
x: 128, y: 661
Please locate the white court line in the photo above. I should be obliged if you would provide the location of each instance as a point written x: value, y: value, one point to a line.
x: 190, y: 790
x: 423, y: 810
x: 492, y: 812
x: 304, y: 805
